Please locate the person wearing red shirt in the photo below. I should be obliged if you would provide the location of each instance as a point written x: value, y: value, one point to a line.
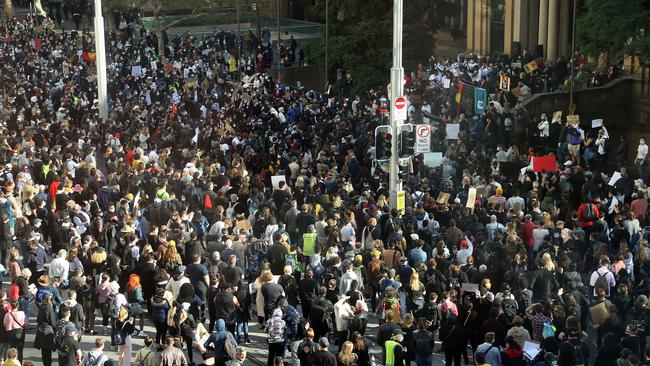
x: 587, y: 224
x: 639, y: 206
x: 526, y: 228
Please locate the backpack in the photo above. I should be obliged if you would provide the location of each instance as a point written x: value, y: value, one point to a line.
x: 589, y: 213
x: 230, y: 347
x: 601, y: 281
x: 640, y: 326
x: 358, y: 324
x: 423, y: 343
x: 40, y: 294
x: 510, y: 308
x: 59, y: 333
x: 14, y: 291
x: 549, y: 330
x: 207, y: 202
x: 522, y: 302
x: 577, y: 354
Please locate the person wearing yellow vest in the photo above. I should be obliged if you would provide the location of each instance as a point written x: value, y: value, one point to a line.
x: 161, y: 193
x: 394, y: 351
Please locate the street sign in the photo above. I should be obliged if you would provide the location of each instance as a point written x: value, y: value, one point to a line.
x: 422, y: 139
x: 400, y: 108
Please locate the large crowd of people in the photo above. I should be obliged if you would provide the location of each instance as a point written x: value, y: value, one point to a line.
x: 203, y: 205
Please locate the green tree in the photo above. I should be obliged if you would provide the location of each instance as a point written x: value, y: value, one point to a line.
x: 361, y: 37
x: 187, y: 9
x: 615, y: 29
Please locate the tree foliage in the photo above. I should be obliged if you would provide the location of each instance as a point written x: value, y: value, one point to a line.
x: 361, y: 37
x: 615, y: 29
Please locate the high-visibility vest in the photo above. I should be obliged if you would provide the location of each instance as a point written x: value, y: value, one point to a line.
x: 390, y: 352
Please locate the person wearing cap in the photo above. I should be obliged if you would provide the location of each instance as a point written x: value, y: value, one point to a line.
x: 323, y: 356
x: 178, y: 279
x: 69, y: 348
x: 394, y: 351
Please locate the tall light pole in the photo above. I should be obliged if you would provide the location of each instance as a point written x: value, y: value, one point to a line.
x: 277, y: 18
x: 238, y: 41
x: 396, y: 90
x: 572, y: 59
x: 327, y: 41
x: 100, y: 62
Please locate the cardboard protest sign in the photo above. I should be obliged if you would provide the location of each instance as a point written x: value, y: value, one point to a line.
x: 599, y: 313
x: 504, y: 83
x: 573, y: 120
x: 471, y: 198
x: 557, y: 117
x: 442, y: 197
x: 530, y: 67
x: 276, y: 179
x: 452, y: 129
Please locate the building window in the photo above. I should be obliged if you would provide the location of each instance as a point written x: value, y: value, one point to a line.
x: 497, y: 10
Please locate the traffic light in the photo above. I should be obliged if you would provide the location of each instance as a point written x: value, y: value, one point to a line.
x: 407, y: 143
x: 383, y: 145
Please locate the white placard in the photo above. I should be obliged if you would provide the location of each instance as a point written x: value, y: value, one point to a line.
x: 136, y: 71
x: 531, y: 349
x: 432, y: 159
x: 276, y: 179
x: 615, y: 177
x: 453, y: 129
x: 595, y: 123
x: 422, y: 139
x: 446, y: 83
x: 154, y: 65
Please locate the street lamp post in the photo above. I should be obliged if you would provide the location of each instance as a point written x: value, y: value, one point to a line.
x: 277, y: 16
x: 327, y: 40
x: 100, y: 62
x: 572, y: 59
x: 238, y: 41
x: 396, y: 89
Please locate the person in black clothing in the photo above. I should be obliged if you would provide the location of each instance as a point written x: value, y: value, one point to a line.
x: 271, y: 292
x: 493, y: 324
x: 631, y: 340
x: 307, y: 289
x: 45, y: 323
x: 608, y: 352
x: 226, y: 307
x: 276, y: 254
x: 454, y: 340
x: 69, y: 350
x: 385, y: 331
x: 323, y: 357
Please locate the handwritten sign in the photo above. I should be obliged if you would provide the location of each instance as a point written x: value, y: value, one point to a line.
x: 530, y: 67
x: 573, y: 119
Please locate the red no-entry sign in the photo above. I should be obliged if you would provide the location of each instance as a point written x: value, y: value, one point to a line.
x: 400, y: 102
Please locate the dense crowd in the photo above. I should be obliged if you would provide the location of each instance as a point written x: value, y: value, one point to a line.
x: 202, y: 205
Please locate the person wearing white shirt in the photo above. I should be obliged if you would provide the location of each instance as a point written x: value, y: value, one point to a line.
x: 466, y: 249
x: 543, y: 126
x: 346, y: 232
x: 603, y: 271
x: 641, y: 154
x: 345, y: 282
x: 60, y: 267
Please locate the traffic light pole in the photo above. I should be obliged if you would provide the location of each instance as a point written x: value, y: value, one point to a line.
x: 396, y: 90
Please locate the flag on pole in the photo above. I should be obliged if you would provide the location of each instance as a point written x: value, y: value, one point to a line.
x: 480, y: 100
x: 89, y: 56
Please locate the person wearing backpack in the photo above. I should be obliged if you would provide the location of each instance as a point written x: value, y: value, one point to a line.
x: 96, y: 356
x: 602, y: 277
x: 587, y: 214
x: 69, y: 348
x: 45, y: 323
x: 423, y: 343
x: 221, y: 341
